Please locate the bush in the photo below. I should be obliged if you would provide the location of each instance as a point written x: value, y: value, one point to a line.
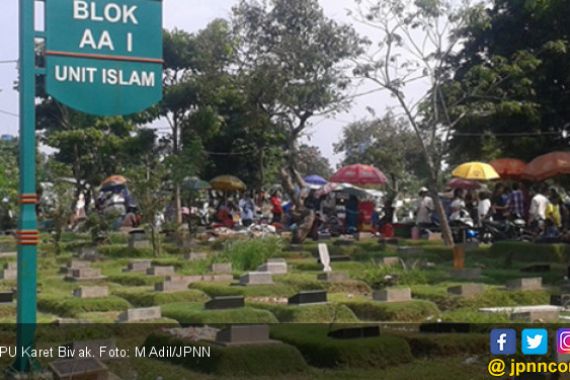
x: 321, y: 351
x: 72, y: 306
x: 195, y: 313
x: 218, y: 290
x: 119, y: 251
x: 374, y: 275
x: 145, y: 299
x: 244, y: 361
x: 247, y: 255
x: 324, y: 313
x: 411, y: 311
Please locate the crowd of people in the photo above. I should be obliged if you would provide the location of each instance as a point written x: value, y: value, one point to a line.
x: 540, y: 207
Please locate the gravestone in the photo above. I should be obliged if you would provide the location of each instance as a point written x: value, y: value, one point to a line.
x: 236, y: 335
x: 217, y: 278
x: 256, y: 278
x: 333, y: 277
x: 91, y: 292
x: 525, y: 284
x: 138, y: 266
x: 228, y: 302
x: 11, y: 265
x: 79, y: 369
x: 6, y: 297
x: 141, y: 314
x: 356, y: 332
x: 75, y: 264
x: 171, y: 286
x: 9, y: 274
x: 275, y: 266
x: 160, y: 270
x: 306, y: 297
x: 324, y: 257
x: 536, y: 268
x: 85, y: 274
x: 391, y: 261
x: 195, y: 256
x: 183, y: 279
x: 89, y: 253
x: 138, y: 240
x: 223, y: 268
x: 545, y: 316
x: 466, y: 290
x: 393, y: 295
x: 469, y: 274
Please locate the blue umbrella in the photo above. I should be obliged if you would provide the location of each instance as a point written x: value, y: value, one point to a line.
x: 315, y: 180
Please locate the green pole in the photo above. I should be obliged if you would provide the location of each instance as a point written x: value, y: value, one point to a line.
x: 27, y: 234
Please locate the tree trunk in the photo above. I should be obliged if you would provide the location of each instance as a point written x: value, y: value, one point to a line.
x: 175, y: 151
x: 155, y: 240
x: 443, y: 222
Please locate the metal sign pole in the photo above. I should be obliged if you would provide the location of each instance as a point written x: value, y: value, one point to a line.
x: 27, y: 235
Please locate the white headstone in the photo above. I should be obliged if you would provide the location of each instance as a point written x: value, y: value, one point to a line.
x: 325, y: 257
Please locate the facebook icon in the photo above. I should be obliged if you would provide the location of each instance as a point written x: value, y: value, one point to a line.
x: 503, y: 342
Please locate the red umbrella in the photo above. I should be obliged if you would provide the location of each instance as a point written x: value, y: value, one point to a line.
x: 509, y: 168
x: 465, y: 184
x: 548, y: 166
x: 360, y: 175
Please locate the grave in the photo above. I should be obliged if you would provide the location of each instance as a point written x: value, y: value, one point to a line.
x: 306, y: 297
x: 138, y: 240
x: 141, y: 314
x: 74, y: 348
x: 224, y: 268
x: 391, y: 261
x: 195, y: 256
x: 545, y: 316
x: 324, y: 257
x: 11, y: 265
x: 9, y: 274
x: 171, y: 286
x: 393, y: 295
x: 75, y: 264
x: 256, y: 278
x: 275, y: 266
x: 469, y: 274
x: 85, y: 274
x: 333, y: 277
x: 466, y: 290
x: 89, y: 253
x: 138, y: 266
x: 6, y: 297
x: 79, y: 369
x: 560, y: 300
x: 356, y: 332
x: 91, y: 292
x: 236, y: 335
x: 228, y: 302
x: 525, y: 284
x: 217, y: 278
x: 185, y: 279
x: 160, y: 270
x: 537, y: 268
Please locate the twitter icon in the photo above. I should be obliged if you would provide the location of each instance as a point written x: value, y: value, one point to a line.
x: 534, y: 342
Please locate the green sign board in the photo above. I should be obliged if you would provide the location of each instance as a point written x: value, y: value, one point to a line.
x: 104, y: 57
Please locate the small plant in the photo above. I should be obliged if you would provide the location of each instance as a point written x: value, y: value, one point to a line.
x: 381, y: 276
x: 249, y: 254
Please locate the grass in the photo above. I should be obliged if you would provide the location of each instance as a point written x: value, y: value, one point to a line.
x: 71, y: 306
x: 411, y: 311
x: 247, y: 255
x: 216, y: 289
x: 151, y: 298
x: 324, y: 313
x: 191, y: 313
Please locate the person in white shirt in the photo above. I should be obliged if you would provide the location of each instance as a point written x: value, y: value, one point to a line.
x: 425, y: 208
x: 538, y: 205
x: 483, y: 207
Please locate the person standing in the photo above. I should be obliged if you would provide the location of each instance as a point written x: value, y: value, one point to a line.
x: 484, y: 207
x: 553, y: 208
x: 247, y: 209
x: 424, y: 209
x: 538, y: 205
x: 516, y: 202
x: 277, y: 207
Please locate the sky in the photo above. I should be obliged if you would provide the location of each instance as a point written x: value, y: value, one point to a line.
x: 193, y: 15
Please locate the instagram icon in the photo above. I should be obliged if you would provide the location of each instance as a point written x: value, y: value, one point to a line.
x: 563, y: 341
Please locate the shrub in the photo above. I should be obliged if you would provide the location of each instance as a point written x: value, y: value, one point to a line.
x: 254, y: 360
x: 145, y: 299
x: 71, y: 306
x: 324, y: 313
x: 374, y: 275
x: 195, y: 313
x: 215, y: 290
x: 118, y: 251
x: 411, y: 311
x: 249, y: 254
x: 321, y: 351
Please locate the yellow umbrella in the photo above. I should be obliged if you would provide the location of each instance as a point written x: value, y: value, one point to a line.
x: 476, y: 171
x: 227, y: 183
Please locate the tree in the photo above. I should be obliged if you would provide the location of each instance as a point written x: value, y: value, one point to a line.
x: 292, y: 66
x: 526, y: 43
x: 311, y: 161
x: 416, y: 39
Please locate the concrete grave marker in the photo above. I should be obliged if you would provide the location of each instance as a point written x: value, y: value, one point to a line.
x: 325, y: 258
x: 236, y: 335
x: 9, y: 274
x: 275, y: 266
x: 222, y: 303
x: 138, y: 266
x: 256, y: 278
x: 333, y: 277
x: 525, y: 284
x: 223, y: 268
x: 6, y: 297
x: 91, y: 292
x: 141, y: 314
x: 545, y: 316
x: 308, y: 297
x: 195, y: 256
x: 84, y: 274
x: 160, y: 270
x: 466, y: 290
x: 393, y: 295
x: 171, y: 286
